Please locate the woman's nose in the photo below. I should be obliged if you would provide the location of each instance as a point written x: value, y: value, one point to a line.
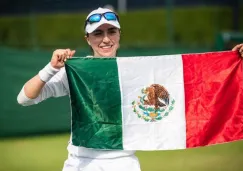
x: 106, y: 39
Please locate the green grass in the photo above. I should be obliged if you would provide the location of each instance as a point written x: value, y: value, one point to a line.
x: 48, y: 153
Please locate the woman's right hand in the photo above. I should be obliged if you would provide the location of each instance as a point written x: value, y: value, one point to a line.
x: 59, y: 57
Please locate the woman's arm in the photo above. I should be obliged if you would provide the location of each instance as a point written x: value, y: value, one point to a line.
x: 44, y: 84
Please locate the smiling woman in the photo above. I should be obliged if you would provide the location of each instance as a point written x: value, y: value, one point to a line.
x: 104, y: 41
x: 102, y: 32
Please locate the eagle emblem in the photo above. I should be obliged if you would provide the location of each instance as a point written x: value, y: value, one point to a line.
x: 154, y: 103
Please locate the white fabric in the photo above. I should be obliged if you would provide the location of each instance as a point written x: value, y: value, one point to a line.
x: 164, y: 134
x: 47, y: 72
x: 58, y: 86
x: 98, y: 154
x: 23, y: 99
x: 76, y: 163
x: 92, y: 27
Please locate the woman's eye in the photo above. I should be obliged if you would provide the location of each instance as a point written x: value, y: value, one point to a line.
x: 112, y: 32
x: 97, y: 33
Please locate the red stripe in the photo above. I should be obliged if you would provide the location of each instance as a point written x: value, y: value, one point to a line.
x: 213, y: 98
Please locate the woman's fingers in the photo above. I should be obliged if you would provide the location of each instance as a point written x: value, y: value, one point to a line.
x: 237, y: 47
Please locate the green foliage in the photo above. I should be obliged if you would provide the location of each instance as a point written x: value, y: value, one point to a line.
x: 193, y: 27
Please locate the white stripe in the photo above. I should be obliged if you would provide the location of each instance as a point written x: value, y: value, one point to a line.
x: 136, y: 73
x: 120, y: 81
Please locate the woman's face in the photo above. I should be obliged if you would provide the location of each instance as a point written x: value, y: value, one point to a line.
x: 104, y: 41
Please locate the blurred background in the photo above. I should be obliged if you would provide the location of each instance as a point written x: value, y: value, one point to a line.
x: 35, y: 138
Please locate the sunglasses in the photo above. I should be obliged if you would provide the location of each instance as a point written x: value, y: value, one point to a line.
x: 110, y: 16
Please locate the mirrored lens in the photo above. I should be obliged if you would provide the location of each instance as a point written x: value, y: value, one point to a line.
x: 110, y: 16
x: 94, y: 18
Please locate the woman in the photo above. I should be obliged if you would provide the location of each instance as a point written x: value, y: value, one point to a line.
x: 102, y: 30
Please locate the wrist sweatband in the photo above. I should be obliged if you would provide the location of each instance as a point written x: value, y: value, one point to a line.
x: 47, y: 72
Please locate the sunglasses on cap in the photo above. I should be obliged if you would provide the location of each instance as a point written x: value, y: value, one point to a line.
x: 110, y: 16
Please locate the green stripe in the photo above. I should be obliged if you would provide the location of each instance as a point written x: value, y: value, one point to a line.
x: 95, y: 102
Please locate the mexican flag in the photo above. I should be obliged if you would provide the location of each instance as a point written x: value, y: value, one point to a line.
x: 156, y: 102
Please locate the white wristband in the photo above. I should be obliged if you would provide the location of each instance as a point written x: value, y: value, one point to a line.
x: 47, y: 72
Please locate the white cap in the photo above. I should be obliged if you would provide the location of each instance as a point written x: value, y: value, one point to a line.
x: 92, y: 27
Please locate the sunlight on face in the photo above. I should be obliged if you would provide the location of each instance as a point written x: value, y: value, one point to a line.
x: 105, y: 41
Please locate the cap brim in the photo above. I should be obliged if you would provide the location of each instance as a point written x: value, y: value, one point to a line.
x: 92, y: 27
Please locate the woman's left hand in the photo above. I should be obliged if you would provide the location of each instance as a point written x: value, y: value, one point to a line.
x: 239, y: 48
